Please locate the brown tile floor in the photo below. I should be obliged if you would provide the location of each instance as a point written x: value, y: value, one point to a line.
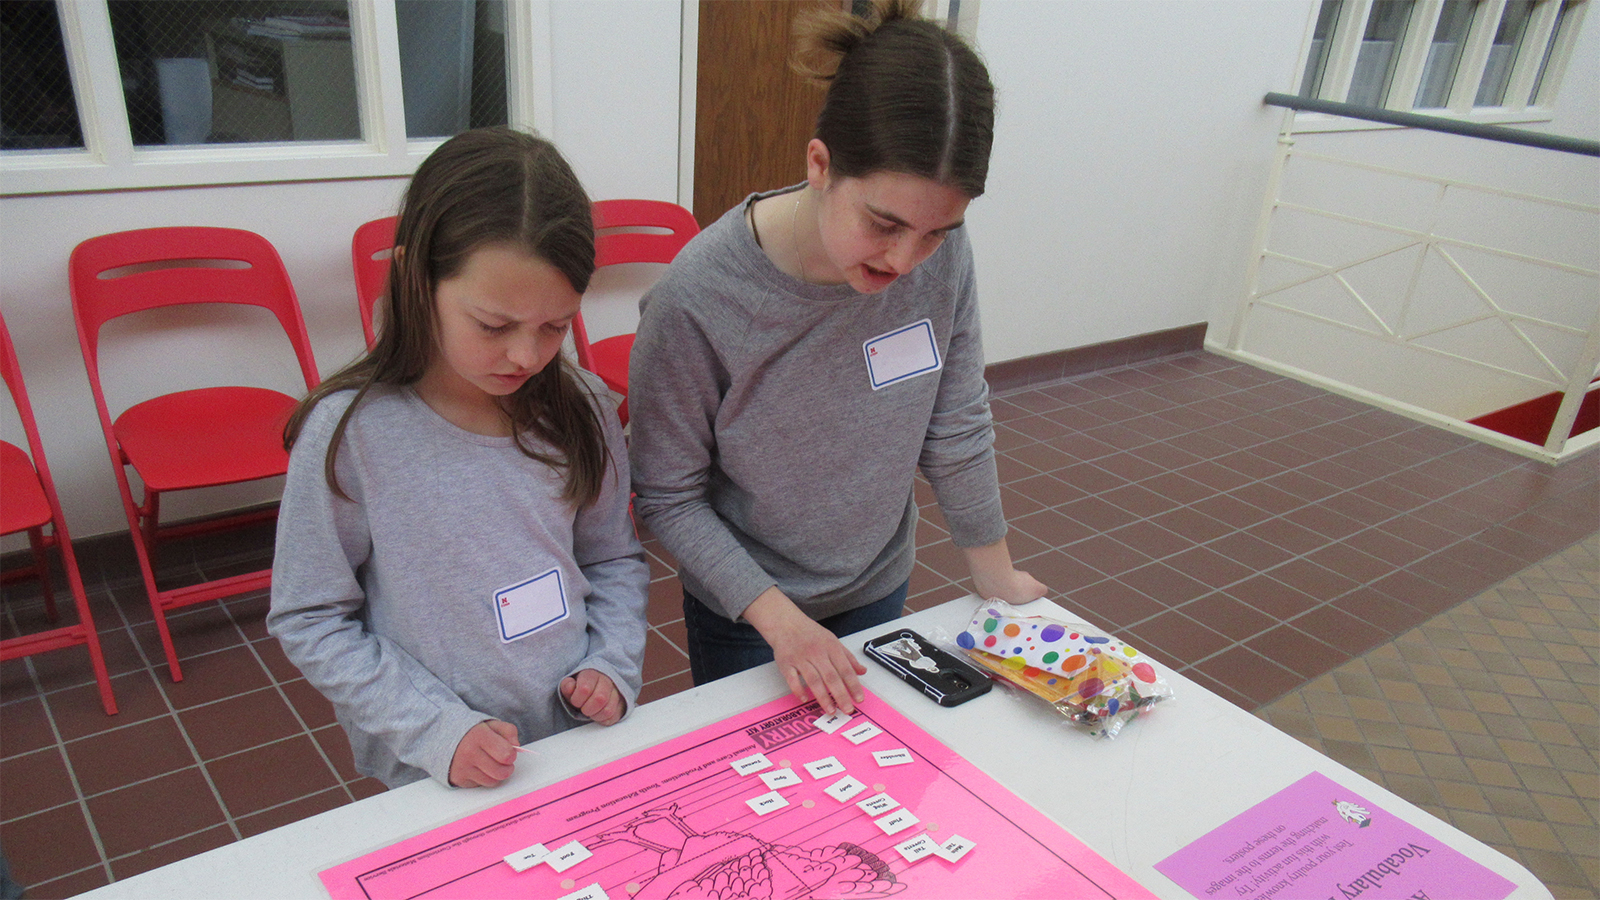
x: 1253, y: 532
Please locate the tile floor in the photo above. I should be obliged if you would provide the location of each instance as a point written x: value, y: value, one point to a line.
x: 1255, y: 533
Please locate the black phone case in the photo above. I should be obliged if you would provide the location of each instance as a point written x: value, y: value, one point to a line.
x: 953, y: 680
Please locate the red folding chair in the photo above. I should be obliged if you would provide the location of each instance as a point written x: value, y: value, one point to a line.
x: 370, y: 251
x: 28, y: 502
x: 191, y: 438
x: 618, y: 239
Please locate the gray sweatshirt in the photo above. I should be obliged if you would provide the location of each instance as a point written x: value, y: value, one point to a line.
x: 388, y: 602
x: 777, y: 425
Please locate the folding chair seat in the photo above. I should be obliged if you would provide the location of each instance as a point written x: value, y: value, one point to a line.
x: 28, y: 502
x: 619, y: 239
x: 370, y: 251
x: 192, y: 438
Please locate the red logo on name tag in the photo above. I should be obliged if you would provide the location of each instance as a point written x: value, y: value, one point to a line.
x: 504, y: 601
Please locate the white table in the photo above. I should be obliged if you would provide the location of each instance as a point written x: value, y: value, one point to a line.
x: 1172, y: 776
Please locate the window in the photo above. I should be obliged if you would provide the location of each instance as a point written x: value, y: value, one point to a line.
x: 154, y: 93
x: 1487, y: 60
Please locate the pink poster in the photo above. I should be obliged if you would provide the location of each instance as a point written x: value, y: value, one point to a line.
x: 1317, y: 839
x: 763, y: 805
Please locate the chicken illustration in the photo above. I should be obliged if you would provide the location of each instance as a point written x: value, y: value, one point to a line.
x: 724, y: 865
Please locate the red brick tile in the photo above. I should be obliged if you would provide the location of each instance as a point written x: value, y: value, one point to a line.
x: 35, y: 781
x: 1297, y: 651
x: 661, y: 658
x: 1163, y: 583
x: 1251, y: 675
x: 335, y: 744
x: 289, y: 813
x: 238, y: 777
x: 666, y: 687
x: 239, y: 723
x: 25, y: 727
x: 1151, y: 539
x: 1107, y: 555
x: 1111, y: 604
x: 112, y: 759
x: 153, y: 812
x: 1209, y: 567
x: 1250, y: 551
x: 313, y: 707
x: 1272, y: 597
x: 213, y: 677
x: 48, y: 845
x: 183, y: 848
x: 1175, y: 638
x: 1227, y: 616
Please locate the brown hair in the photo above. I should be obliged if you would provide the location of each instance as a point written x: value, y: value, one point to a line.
x: 490, y: 185
x: 904, y: 95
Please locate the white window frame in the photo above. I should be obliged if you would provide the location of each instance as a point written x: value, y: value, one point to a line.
x: 109, y: 161
x: 1345, y: 46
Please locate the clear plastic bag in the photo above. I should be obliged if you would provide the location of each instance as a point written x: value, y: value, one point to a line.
x: 1091, y: 678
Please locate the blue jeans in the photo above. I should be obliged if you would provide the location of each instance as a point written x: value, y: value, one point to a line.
x: 719, y: 647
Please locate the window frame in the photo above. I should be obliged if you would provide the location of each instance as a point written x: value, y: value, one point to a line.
x: 109, y: 160
x: 1413, y: 55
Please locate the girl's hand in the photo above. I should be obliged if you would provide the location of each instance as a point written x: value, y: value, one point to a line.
x: 485, y: 755
x: 814, y: 663
x: 593, y: 695
x: 1013, y: 586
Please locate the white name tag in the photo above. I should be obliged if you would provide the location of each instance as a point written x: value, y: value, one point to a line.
x: 525, y: 608
x: 863, y: 732
x: 898, y: 757
x: 592, y: 892
x: 751, y: 764
x: 527, y: 858
x: 955, y: 848
x: 878, y: 804
x: 832, y: 721
x: 903, y: 353
x: 769, y: 802
x: 917, y: 848
x: 845, y: 788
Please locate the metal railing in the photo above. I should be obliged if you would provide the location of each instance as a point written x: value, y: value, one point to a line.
x: 1437, y: 123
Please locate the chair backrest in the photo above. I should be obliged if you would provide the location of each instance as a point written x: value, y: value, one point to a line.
x: 370, y: 251
x: 615, y: 243
x: 131, y: 271
x: 12, y: 373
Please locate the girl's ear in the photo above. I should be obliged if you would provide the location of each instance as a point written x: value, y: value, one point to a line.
x: 817, y: 159
x: 399, y: 253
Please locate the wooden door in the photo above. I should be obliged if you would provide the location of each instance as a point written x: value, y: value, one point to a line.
x: 753, y: 114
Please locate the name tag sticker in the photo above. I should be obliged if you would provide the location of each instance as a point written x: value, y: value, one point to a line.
x: 592, y: 892
x: 822, y: 768
x: 567, y: 856
x: 769, y: 802
x: 903, y: 353
x: 780, y: 778
x: 530, y: 606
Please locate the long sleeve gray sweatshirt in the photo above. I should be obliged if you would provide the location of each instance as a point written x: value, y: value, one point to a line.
x: 388, y: 601
x: 777, y: 425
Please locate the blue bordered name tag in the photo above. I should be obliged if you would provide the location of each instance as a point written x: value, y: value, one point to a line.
x: 524, y: 608
x: 901, y: 354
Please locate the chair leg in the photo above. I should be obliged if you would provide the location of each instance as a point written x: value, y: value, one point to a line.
x: 144, y: 546
x: 91, y: 636
x: 41, y: 562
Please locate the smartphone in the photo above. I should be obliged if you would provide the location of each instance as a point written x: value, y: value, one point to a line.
x: 944, y: 677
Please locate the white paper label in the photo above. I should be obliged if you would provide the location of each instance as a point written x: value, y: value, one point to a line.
x: 751, y: 764
x: 592, y: 892
x: 832, y: 721
x: 878, y: 804
x: 955, y: 848
x: 897, y: 821
x: 845, y: 788
x: 897, y: 757
x: 918, y: 847
x: 780, y: 778
x: 768, y: 802
x: 863, y: 732
x: 527, y: 857
x: 565, y: 857
x: 822, y: 768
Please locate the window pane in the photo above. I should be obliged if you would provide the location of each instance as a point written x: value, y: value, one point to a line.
x: 1503, y: 54
x: 1380, y: 50
x: 1321, y: 42
x: 37, y: 107
x: 452, y: 64
x: 1562, y: 20
x: 218, y: 71
x: 1444, y: 54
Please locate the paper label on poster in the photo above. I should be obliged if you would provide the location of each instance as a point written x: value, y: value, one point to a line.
x: 1315, y: 838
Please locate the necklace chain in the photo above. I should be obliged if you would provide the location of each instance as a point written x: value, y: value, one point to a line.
x: 794, y: 232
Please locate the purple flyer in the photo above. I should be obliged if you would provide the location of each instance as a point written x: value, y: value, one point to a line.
x: 1318, y: 839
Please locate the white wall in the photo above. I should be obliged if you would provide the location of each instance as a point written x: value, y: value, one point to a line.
x: 1131, y: 152
x: 614, y: 74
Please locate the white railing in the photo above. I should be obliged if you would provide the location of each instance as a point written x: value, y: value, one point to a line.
x: 1436, y: 298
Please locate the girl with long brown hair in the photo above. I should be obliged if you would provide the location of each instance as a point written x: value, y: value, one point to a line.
x: 811, y: 350
x: 456, y: 568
